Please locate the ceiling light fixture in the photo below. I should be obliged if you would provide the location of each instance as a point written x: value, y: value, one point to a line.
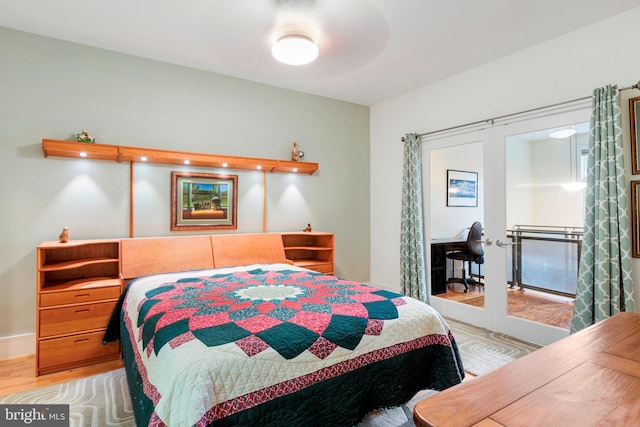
x: 573, y: 186
x: 564, y: 133
x: 295, y: 50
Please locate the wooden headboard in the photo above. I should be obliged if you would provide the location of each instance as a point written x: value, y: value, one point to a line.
x: 242, y: 249
x: 143, y: 256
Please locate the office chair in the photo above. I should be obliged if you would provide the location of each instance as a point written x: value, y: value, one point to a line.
x: 472, y: 253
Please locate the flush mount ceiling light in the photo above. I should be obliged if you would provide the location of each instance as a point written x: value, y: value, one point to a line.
x: 295, y: 50
x: 574, y: 186
x: 564, y: 133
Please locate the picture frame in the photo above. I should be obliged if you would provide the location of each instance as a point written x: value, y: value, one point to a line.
x: 634, y: 129
x: 203, y: 201
x: 635, y: 223
x: 462, y: 188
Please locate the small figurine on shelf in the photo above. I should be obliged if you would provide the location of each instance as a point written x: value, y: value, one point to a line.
x: 295, y: 153
x: 85, y: 137
x: 308, y: 229
x: 64, y: 236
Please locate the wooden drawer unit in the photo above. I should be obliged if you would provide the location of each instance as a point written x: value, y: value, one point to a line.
x: 79, y: 296
x: 312, y: 250
x: 75, y: 350
x: 77, y: 318
x: 326, y: 268
x: 78, y: 285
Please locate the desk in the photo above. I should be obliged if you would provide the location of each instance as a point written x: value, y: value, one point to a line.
x: 439, y: 249
x: 589, y: 378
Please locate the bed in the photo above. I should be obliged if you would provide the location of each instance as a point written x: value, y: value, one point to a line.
x: 268, y: 343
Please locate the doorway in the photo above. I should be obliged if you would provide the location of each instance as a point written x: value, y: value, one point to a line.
x: 532, y: 224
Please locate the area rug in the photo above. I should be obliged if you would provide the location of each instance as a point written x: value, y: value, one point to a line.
x: 103, y: 400
x: 99, y: 400
x: 525, y: 305
x: 483, y: 350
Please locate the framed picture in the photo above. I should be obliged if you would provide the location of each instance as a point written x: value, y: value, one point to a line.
x: 203, y: 201
x: 462, y: 188
x: 634, y: 128
x: 635, y: 211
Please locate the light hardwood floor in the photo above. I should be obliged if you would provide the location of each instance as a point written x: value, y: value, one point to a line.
x: 18, y: 374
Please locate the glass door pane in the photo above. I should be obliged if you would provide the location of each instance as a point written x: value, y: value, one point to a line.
x: 545, y: 215
x: 544, y: 184
x: 454, y: 200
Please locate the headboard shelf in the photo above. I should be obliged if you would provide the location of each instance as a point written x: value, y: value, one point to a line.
x: 121, y: 153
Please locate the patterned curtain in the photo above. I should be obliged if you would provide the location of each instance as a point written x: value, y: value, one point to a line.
x: 412, y: 262
x: 604, y: 274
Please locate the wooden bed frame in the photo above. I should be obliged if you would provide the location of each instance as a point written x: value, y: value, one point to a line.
x: 143, y: 256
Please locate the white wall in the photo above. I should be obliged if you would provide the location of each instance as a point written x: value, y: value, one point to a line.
x: 52, y: 89
x: 536, y: 170
x: 519, y: 178
x: 453, y: 221
x: 601, y: 54
x: 554, y: 205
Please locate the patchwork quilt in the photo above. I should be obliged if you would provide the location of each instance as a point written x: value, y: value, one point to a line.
x: 276, y: 345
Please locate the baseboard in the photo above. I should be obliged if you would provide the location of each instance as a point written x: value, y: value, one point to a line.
x: 17, y: 346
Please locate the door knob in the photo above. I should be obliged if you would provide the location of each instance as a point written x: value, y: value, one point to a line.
x: 487, y: 242
x: 502, y: 244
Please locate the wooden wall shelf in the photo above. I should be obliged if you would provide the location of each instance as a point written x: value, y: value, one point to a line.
x: 313, y: 250
x: 118, y: 153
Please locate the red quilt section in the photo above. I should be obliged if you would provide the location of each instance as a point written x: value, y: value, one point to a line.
x: 289, y: 311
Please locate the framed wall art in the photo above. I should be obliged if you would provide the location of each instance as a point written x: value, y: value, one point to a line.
x: 203, y: 201
x: 462, y: 188
x: 635, y: 211
x: 634, y: 128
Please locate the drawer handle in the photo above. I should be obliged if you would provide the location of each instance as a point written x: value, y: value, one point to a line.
x: 86, y: 310
x: 83, y: 295
x: 81, y: 340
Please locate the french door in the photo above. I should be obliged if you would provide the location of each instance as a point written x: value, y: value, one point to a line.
x: 494, y: 153
x: 462, y: 154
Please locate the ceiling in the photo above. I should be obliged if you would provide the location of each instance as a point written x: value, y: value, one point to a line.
x: 370, y: 50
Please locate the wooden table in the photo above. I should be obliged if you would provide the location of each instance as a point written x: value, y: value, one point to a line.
x: 589, y: 378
